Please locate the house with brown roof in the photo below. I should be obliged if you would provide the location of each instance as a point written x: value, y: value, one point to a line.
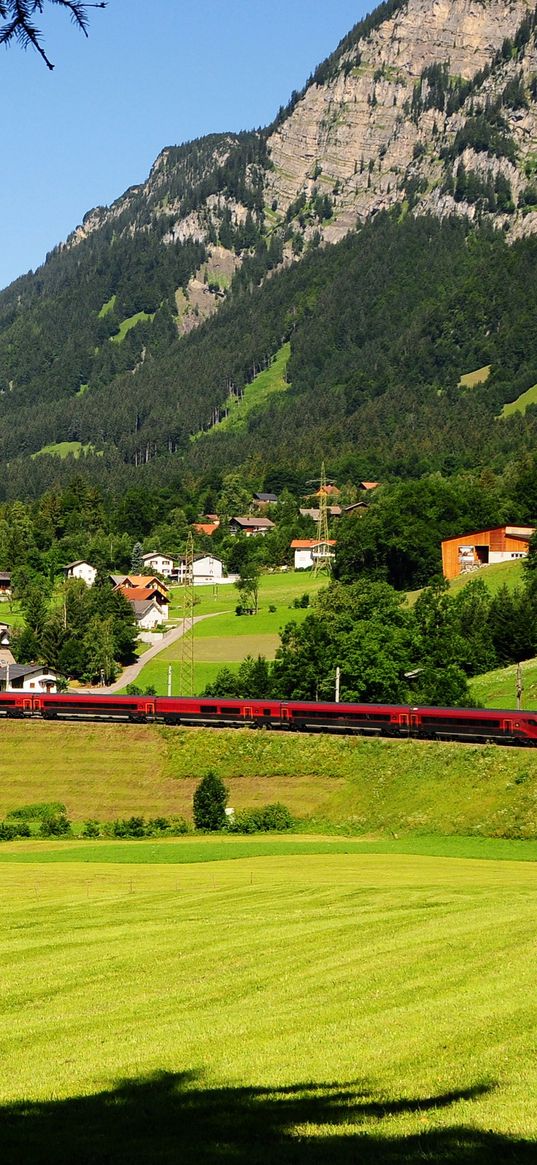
x: 250, y: 525
x: 156, y: 594
x: 161, y: 563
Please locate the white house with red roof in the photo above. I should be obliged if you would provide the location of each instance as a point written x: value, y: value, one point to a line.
x: 307, y: 550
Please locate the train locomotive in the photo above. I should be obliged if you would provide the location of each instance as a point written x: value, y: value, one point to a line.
x: 475, y: 725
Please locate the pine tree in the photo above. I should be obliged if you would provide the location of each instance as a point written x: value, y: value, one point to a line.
x: 137, y: 559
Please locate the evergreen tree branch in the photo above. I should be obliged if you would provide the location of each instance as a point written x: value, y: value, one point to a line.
x: 19, y: 24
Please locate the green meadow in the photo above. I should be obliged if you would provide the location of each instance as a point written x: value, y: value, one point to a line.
x: 296, y: 1007
x: 226, y: 638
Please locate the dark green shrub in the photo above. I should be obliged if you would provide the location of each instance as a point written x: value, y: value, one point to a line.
x: 209, y: 804
x: 57, y: 825
x: 8, y: 830
x: 266, y: 819
x: 91, y: 829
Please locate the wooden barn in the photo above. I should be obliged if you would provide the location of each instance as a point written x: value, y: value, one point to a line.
x: 470, y: 551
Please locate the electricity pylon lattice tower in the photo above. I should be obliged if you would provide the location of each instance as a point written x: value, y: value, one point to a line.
x: 322, y: 561
x: 186, y: 663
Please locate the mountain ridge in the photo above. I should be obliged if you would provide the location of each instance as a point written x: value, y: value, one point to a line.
x: 425, y: 107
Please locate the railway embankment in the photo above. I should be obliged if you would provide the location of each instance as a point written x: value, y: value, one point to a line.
x: 334, y: 784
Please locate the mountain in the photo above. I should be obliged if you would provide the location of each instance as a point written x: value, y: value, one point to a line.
x: 413, y: 151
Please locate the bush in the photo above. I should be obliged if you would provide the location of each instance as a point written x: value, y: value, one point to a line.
x: 137, y: 827
x: 9, y: 831
x: 209, y: 804
x: 57, y: 825
x: 91, y: 829
x: 303, y: 601
x: 266, y: 819
x: 37, y: 812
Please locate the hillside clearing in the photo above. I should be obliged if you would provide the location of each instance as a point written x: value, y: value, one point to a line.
x: 521, y: 403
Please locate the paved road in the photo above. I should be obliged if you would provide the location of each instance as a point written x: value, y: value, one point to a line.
x: 131, y: 673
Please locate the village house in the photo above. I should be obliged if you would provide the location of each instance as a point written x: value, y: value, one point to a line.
x: 206, y: 528
x: 205, y: 569
x: 160, y: 563
x: 367, y: 486
x: 250, y: 525
x: 145, y: 581
x: 82, y: 570
x: 5, y: 584
x: 261, y: 501
x: 467, y: 552
x: 156, y: 594
x: 147, y: 613
x: 314, y: 514
x: 16, y: 677
x: 308, y: 550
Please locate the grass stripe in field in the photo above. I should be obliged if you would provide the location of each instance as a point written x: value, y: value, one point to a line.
x: 187, y: 851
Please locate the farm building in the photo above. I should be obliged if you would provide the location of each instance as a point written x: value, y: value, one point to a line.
x: 307, y: 550
x: 470, y: 551
x: 5, y: 583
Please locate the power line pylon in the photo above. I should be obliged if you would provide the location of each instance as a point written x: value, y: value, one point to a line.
x: 322, y: 562
x: 186, y: 663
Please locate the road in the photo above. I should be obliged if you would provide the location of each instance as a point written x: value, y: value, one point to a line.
x: 130, y: 674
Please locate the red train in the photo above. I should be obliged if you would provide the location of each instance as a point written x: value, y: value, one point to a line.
x: 479, y: 725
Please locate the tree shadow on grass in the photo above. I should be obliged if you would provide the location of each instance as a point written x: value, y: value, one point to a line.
x: 171, y: 1119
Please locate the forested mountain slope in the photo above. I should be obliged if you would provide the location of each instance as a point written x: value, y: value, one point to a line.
x: 415, y: 145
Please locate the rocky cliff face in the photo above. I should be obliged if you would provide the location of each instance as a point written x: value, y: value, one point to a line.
x: 431, y: 102
x: 357, y: 137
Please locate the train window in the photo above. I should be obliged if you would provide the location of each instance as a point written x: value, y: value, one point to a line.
x: 208, y: 708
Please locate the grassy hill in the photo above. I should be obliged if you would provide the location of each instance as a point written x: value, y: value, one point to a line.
x: 339, y: 784
x: 497, y: 689
x: 494, y: 576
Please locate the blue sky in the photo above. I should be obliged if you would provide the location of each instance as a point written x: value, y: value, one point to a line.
x: 79, y: 136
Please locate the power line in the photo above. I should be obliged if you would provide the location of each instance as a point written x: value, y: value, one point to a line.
x: 186, y: 663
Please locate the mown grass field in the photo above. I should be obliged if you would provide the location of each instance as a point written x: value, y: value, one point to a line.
x: 347, y: 785
x: 296, y: 1008
x: 226, y: 639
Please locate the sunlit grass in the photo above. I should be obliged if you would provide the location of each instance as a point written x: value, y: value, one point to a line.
x: 353, y: 1007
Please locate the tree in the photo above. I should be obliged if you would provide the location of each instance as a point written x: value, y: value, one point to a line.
x: 19, y: 23
x: 137, y: 559
x: 248, y: 586
x: 209, y: 804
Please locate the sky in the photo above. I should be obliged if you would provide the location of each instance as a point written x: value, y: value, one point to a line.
x: 152, y: 73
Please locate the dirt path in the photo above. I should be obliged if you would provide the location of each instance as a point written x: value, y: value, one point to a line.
x: 131, y: 673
